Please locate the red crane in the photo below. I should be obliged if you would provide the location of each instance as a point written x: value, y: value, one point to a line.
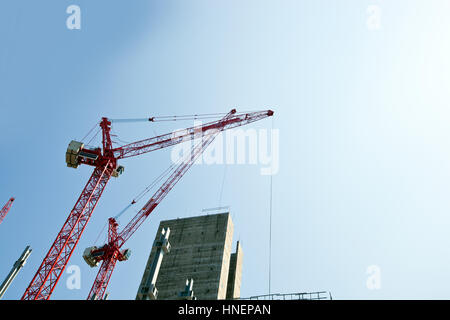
x: 110, y: 253
x: 105, y: 163
x: 5, y: 209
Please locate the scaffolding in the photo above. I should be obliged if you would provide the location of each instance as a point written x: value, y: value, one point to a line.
x: 320, y: 295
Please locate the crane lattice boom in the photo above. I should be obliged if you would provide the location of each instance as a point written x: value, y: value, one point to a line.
x: 5, y: 209
x: 111, y: 252
x: 105, y: 161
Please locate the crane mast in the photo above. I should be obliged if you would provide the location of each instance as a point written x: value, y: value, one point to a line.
x: 52, y: 267
x: 105, y: 163
x: 5, y: 209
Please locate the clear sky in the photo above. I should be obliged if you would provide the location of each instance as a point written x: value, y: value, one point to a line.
x: 362, y: 116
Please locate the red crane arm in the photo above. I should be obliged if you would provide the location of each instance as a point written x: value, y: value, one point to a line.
x: 54, y: 263
x: 176, y: 175
x: 111, y: 250
x: 5, y: 209
x: 115, y: 241
x: 107, y: 267
x: 52, y: 267
x: 103, y: 276
x: 105, y: 162
x: 170, y: 139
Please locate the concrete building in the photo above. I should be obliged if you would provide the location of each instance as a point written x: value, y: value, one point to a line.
x: 235, y: 273
x: 200, y: 249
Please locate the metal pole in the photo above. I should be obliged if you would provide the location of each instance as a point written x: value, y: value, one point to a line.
x: 15, y: 270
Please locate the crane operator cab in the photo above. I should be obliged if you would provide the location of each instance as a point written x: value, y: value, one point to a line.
x: 77, y: 153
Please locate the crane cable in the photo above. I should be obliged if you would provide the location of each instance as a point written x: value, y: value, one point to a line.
x: 89, y: 132
x: 136, y: 199
x: 170, y: 168
x: 100, y: 233
x: 270, y: 224
x: 171, y: 118
x: 176, y: 118
x: 140, y: 195
x: 94, y: 136
x: 150, y: 187
x: 116, y: 137
x: 223, y: 183
x: 270, y: 235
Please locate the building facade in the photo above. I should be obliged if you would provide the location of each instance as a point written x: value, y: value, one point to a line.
x: 200, y: 249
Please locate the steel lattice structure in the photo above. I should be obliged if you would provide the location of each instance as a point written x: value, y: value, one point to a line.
x: 105, y: 163
x: 5, y: 209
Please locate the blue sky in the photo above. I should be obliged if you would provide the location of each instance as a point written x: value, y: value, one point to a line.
x: 363, y: 120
